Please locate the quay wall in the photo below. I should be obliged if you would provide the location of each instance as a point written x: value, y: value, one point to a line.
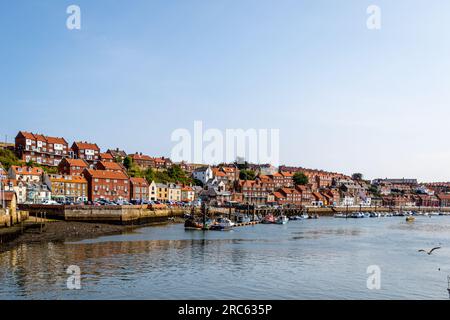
x: 132, y: 214
x: 8, y: 220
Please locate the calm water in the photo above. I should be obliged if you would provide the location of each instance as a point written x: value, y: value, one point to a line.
x: 314, y: 259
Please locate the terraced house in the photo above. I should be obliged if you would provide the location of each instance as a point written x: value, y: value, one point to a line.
x: 68, y: 188
x: 19, y: 187
x: 41, y: 149
x: 162, y: 192
x: 26, y: 174
x: 139, y: 189
x: 72, y: 166
x: 174, y: 192
x: 90, y: 152
x: 108, y: 185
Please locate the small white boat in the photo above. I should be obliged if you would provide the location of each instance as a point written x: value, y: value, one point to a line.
x: 281, y: 220
x: 224, y: 222
x: 305, y: 216
x: 340, y: 215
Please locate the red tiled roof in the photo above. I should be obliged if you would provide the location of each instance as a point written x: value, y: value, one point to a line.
x: 139, y: 181
x: 143, y: 157
x: 27, y: 135
x: 70, y: 179
x: 278, y: 195
x: 111, y: 165
x: 27, y: 170
x: 444, y: 196
x: 77, y: 162
x: 106, y: 156
x: 56, y: 140
x: 104, y: 174
x: 289, y: 190
x: 86, y: 145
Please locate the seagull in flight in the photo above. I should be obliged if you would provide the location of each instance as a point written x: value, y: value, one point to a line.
x: 429, y: 252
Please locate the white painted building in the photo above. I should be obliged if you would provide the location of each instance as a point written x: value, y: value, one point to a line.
x: 203, y: 174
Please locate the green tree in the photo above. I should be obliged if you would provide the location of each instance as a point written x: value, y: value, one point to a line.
x: 300, y: 178
x: 357, y: 176
x: 128, y: 162
x: 197, y: 182
x: 247, y: 174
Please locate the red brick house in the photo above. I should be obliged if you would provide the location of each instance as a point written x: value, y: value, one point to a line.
x: 267, y: 182
x: 109, y: 185
x: 139, y: 189
x: 72, y: 166
x: 86, y: 151
x: 278, y: 180
x: 291, y: 196
x: 306, y: 193
x: 252, y: 191
x: 142, y: 160
x: 444, y: 199
x: 288, y: 179
x: 162, y: 163
x: 41, y: 149
x: 110, y: 166
x: 425, y: 200
x: 106, y: 157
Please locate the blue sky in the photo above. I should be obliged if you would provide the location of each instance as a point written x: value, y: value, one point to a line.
x: 345, y: 98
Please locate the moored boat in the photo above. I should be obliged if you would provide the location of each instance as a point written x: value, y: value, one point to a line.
x: 268, y: 219
x: 192, y: 224
x: 410, y: 219
x: 295, y: 218
x: 221, y: 224
x: 281, y: 220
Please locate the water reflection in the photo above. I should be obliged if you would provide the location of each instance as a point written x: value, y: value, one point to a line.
x: 300, y: 260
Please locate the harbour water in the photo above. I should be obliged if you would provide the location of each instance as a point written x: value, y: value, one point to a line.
x: 325, y: 258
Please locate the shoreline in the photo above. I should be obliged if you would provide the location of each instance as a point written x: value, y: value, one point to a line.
x: 62, y: 231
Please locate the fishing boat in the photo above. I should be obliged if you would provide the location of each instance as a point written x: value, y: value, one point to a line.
x: 268, y: 219
x: 222, y: 224
x: 281, y: 220
x: 295, y: 218
x: 410, y: 219
x: 243, y: 218
x: 192, y: 224
x: 315, y: 216
x: 340, y: 215
x: 305, y: 216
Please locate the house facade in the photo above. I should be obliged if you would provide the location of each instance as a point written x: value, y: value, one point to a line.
x: 73, y: 188
x: 139, y: 189
x: 203, y: 174
x: 109, y: 185
x: 90, y: 152
x: 26, y: 174
x: 41, y: 149
x: 72, y: 166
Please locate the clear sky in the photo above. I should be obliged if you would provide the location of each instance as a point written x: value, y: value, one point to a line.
x: 344, y: 97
